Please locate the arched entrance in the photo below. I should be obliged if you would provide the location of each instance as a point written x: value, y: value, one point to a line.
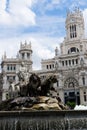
x: 71, y: 91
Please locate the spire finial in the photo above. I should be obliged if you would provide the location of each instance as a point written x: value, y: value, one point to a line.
x: 25, y: 42
x: 5, y: 55
x: 56, y: 51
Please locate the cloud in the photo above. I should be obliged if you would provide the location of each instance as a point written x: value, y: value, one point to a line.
x: 18, y: 13
x: 42, y: 49
x: 51, y: 25
x: 21, y: 15
x: 55, y: 1
x: 53, y: 4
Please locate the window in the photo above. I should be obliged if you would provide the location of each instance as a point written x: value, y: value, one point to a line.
x: 13, y: 77
x: 47, y: 66
x: 53, y: 65
x: 7, y: 77
x: 73, y: 50
x: 69, y: 62
x: 65, y: 93
x: 85, y: 98
x: 62, y: 63
x: 76, y: 61
x: 7, y: 67
x: 7, y: 96
x: 73, y: 61
x: 83, y: 80
x: 73, y: 31
x: 77, y: 93
x: 70, y: 28
x: 22, y: 55
x: 14, y: 67
x: 74, y: 27
x: 28, y: 55
x: 66, y: 62
x: 11, y: 67
x: 10, y: 78
x: 71, y: 94
x: 50, y: 66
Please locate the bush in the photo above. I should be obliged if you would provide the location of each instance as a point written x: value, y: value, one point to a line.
x: 71, y: 104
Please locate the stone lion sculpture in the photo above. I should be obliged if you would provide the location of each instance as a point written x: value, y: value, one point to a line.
x: 47, y: 85
x: 33, y: 85
x: 37, y: 87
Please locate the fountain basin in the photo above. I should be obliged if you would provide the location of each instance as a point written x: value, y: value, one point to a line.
x: 43, y: 120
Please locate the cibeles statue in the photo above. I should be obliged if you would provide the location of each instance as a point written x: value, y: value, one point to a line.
x: 17, y: 89
x: 31, y: 93
x: 23, y: 73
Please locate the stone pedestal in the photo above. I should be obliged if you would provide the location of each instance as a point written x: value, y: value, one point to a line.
x: 43, y: 120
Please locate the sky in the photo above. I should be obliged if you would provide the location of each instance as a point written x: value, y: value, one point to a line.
x: 41, y: 22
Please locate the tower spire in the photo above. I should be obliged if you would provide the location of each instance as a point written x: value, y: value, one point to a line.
x: 74, y: 24
x: 56, y: 51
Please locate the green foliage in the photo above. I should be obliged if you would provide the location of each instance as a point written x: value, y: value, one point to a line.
x: 71, y: 104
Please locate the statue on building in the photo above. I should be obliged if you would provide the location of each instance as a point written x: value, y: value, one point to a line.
x: 56, y: 51
x: 56, y: 65
x: 81, y: 61
x: 23, y: 73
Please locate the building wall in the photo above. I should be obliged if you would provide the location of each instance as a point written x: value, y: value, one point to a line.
x: 10, y: 67
x: 71, y: 65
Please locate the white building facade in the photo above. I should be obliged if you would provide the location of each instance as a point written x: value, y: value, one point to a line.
x: 70, y: 65
x: 10, y: 66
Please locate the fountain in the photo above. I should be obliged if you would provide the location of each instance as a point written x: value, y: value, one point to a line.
x: 80, y: 107
x: 43, y: 120
x: 35, y: 108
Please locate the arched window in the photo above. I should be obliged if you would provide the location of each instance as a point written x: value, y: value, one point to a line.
x: 73, y: 33
x: 85, y: 97
x: 70, y: 28
x: 71, y: 82
x: 69, y: 62
x: 83, y: 80
x: 23, y: 55
x: 74, y: 27
x: 73, y: 61
x: 76, y: 61
x: 73, y: 50
x: 28, y: 55
x: 50, y: 66
x: 47, y: 66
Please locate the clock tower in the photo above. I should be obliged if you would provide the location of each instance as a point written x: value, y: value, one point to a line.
x: 74, y: 25
x: 73, y: 42
x: 70, y: 65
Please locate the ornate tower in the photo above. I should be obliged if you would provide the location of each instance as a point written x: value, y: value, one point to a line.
x: 10, y: 67
x: 25, y: 54
x: 73, y: 42
x: 74, y: 25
